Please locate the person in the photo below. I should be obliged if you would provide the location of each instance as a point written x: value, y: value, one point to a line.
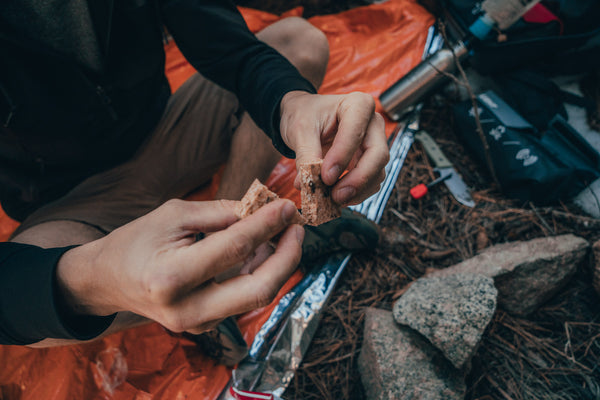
x: 95, y: 154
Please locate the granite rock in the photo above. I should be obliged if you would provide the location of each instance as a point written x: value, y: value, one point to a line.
x: 526, y: 273
x: 452, y: 312
x: 396, y: 362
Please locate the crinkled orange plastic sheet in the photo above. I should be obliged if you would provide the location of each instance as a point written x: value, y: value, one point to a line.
x: 371, y: 47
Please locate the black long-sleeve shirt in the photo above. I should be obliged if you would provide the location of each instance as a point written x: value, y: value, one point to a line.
x: 88, y: 130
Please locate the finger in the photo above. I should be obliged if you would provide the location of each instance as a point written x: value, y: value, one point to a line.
x: 354, y: 115
x: 367, y: 172
x: 222, y: 250
x: 367, y: 192
x: 197, y: 216
x: 259, y: 256
x: 309, y: 150
x: 245, y: 292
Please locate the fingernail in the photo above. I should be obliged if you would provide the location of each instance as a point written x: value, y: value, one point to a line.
x: 288, y: 212
x: 345, y: 194
x: 334, y: 172
x: 300, y: 234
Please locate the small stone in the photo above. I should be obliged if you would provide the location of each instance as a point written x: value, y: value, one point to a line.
x: 396, y: 362
x: 483, y: 240
x: 451, y: 311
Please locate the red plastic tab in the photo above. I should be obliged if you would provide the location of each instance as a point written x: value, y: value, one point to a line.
x: 418, y: 191
x: 541, y: 15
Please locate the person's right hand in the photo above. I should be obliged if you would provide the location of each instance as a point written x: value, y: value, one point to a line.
x: 154, y: 267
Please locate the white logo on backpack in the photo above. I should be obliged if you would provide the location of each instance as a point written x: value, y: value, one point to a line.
x: 526, y: 156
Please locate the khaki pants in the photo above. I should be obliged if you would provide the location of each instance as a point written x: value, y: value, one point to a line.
x: 187, y: 147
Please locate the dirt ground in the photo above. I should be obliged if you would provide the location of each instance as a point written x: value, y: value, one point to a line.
x: 552, y: 354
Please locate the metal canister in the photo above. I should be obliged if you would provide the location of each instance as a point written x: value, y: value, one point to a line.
x: 420, y: 81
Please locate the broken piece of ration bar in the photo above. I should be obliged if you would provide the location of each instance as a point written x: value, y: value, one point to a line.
x: 257, y: 196
x: 317, y: 205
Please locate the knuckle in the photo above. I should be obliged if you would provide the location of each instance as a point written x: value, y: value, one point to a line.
x: 362, y: 180
x: 173, y: 204
x: 270, y: 220
x: 240, y: 247
x: 265, y: 296
x: 173, y: 321
x: 173, y: 208
x: 365, y: 99
x: 385, y: 158
x: 382, y: 176
x: 273, y: 217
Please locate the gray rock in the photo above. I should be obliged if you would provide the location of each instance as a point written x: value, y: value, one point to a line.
x: 451, y: 311
x: 526, y: 273
x: 396, y: 362
x: 596, y: 266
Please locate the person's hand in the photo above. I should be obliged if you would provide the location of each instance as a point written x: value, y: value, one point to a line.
x: 154, y: 267
x: 343, y: 130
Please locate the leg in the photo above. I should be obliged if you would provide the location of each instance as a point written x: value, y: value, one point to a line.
x: 305, y: 46
x: 58, y: 234
x: 307, y: 49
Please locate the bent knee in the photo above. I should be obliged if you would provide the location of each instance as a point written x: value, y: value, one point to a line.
x: 303, y: 38
x: 304, y: 45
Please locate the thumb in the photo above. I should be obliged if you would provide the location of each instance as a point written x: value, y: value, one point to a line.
x: 308, y: 151
x: 300, y: 127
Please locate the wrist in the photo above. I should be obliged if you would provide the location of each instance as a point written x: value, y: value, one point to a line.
x: 288, y: 116
x: 79, y: 283
x: 289, y: 97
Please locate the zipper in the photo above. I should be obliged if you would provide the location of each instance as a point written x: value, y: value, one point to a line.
x: 108, y: 32
x: 107, y: 102
x: 11, y: 105
x: 9, y: 117
x: 77, y: 69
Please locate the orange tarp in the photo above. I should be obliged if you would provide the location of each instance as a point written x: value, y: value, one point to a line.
x: 371, y: 47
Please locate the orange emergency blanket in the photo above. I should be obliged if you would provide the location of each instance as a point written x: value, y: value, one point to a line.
x: 371, y: 47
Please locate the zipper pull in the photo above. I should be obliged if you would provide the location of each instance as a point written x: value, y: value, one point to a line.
x: 11, y: 105
x: 8, y: 118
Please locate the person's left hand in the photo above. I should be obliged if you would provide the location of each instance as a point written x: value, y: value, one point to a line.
x: 343, y: 130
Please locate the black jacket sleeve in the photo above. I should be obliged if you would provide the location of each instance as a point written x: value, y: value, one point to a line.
x: 29, y: 307
x: 214, y: 38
